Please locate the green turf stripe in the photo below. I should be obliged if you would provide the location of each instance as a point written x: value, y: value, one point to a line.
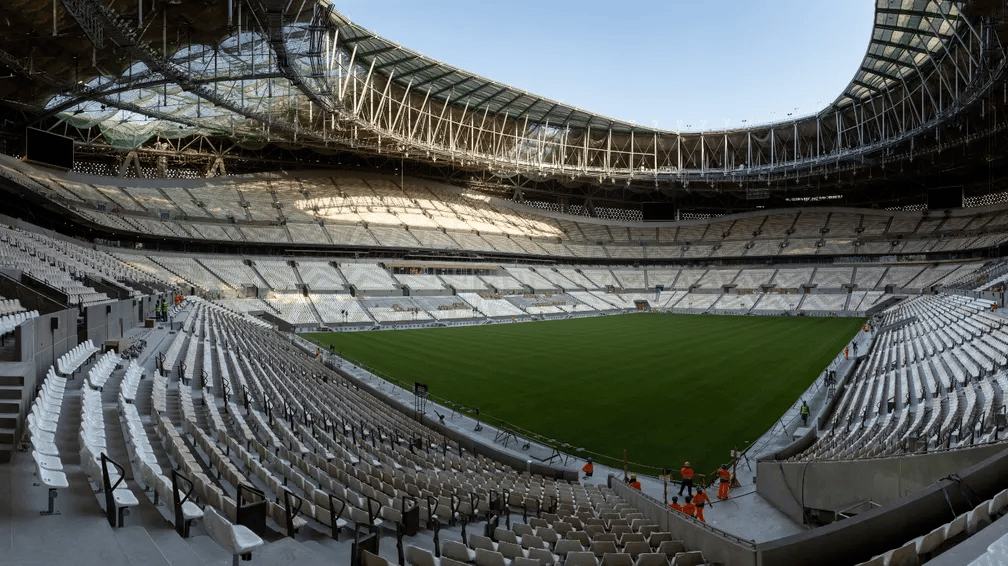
x: 666, y: 387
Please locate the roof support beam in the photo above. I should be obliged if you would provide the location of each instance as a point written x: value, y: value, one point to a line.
x: 126, y: 36
x: 270, y: 19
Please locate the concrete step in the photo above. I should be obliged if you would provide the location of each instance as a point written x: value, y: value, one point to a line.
x: 10, y: 392
x: 289, y: 551
x: 7, y: 435
x: 8, y: 420
x: 138, y: 546
x: 12, y: 380
x: 175, y: 548
x: 6, y: 452
x: 323, y: 551
x: 10, y: 407
x: 208, y: 551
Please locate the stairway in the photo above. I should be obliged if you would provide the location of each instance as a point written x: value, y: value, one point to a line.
x: 314, y: 310
x: 255, y: 270
x: 214, y: 273
x: 154, y: 260
x: 12, y: 398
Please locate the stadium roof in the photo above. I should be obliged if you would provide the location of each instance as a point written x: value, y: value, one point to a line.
x: 198, y: 80
x: 907, y: 38
x: 244, y: 64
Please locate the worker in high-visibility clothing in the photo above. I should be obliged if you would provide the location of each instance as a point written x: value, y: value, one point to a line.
x: 675, y: 504
x: 588, y: 468
x: 724, y: 482
x: 804, y: 412
x: 689, y: 508
x: 687, y: 479
x: 700, y: 500
x: 634, y: 483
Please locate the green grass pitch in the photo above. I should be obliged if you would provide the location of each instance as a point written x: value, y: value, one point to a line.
x: 665, y: 387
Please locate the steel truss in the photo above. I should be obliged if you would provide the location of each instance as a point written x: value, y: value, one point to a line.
x: 414, y: 120
x: 357, y: 94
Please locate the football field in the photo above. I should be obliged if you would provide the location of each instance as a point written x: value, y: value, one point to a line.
x: 665, y: 387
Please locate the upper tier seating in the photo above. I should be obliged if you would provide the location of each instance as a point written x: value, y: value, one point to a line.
x: 368, y: 277
x: 933, y: 382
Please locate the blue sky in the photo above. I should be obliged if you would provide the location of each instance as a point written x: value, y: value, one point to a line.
x: 674, y: 64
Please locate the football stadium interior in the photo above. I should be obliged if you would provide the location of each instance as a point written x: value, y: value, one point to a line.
x: 276, y: 288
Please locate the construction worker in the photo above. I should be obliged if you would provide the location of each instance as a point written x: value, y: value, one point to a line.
x: 687, y: 479
x: 804, y: 412
x: 700, y: 500
x: 675, y: 504
x: 588, y: 468
x: 724, y: 482
x: 688, y: 507
x: 846, y: 352
x: 634, y: 483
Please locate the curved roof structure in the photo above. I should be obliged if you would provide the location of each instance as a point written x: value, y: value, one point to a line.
x: 258, y: 73
x: 910, y: 37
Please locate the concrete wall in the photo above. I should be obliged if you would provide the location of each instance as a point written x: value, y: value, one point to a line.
x: 39, y: 345
x: 790, y: 486
x: 874, y: 532
x: 49, y: 344
x: 717, y: 546
x: 111, y: 321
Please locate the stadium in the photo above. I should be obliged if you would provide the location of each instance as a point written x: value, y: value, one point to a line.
x: 276, y: 288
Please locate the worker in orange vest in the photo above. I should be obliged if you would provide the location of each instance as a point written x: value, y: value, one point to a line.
x: 588, y: 468
x: 687, y: 479
x: 688, y: 507
x: 675, y: 504
x: 634, y: 483
x: 700, y: 500
x: 724, y: 482
x: 846, y: 352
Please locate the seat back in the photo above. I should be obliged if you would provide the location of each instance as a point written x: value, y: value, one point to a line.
x: 581, y: 559
x: 521, y: 529
x: 532, y: 541
x: 510, y: 550
x: 905, y: 555
x: 502, y: 534
x: 368, y: 559
x: 955, y: 526
x: 219, y: 529
x: 671, y: 547
x: 998, y: 503
x: 630, y: 537
x: 486, y: 557
x: 636, y: 548
x: 477, y: 542
x: 605, y: 537
x: 652, y: 559
x: 543, y: 556
x: 568, y: 545
x: 692, y: 558
x: 456, y: 550
x: 600, y: 548
x: 616, y: 559
x: 419, y: 556
x: 978, y: 518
